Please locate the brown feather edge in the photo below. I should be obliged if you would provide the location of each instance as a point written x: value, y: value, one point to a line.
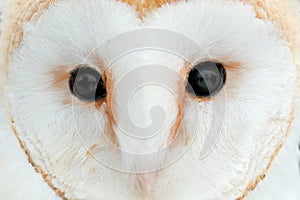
x: 47, y: 178
x: 144, y: 6
x: 286, y: 22
x: 253, y: 184
x: 11, y: 38
x: 31, y: 10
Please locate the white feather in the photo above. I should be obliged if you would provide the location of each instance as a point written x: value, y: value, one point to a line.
x: 259, y: 94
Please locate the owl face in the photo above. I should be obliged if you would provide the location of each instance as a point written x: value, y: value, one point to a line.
x: 193, y: 97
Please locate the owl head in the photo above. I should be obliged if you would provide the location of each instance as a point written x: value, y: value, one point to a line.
x: 163, y: 99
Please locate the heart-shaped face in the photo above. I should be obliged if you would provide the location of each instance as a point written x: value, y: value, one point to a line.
x: 187, y: 100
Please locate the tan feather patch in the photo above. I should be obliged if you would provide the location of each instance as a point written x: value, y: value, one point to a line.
x: 143, y: 6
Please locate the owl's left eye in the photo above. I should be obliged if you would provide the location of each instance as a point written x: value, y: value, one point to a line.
x: 206, y: 79
x: 87, y: 84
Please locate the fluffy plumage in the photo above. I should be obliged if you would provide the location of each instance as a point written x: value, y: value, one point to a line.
x: 43, y: 41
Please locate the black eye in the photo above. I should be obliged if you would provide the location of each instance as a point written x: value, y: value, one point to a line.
x: 206, y: 79
x: 87, y: 84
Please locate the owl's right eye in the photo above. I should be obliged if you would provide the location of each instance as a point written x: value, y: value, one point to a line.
x: 87, y: 84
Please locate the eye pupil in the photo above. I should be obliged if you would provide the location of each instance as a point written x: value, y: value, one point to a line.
x: 87, y: 84
x: 206, y: 79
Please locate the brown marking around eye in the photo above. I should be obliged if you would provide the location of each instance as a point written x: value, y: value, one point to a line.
x: 230, y: 65
x: 72, y: 99
x: 202, y: 99
x: 98, y: 104
x: 174, y: 130
x: 61, y: 77
x: 180, y: 101
x: 67, y: 102
x: 108, y: 80
x: 99, y: 61
x: 109, y: 89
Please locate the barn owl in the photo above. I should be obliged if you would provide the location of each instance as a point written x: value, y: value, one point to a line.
x: 149, y: 99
